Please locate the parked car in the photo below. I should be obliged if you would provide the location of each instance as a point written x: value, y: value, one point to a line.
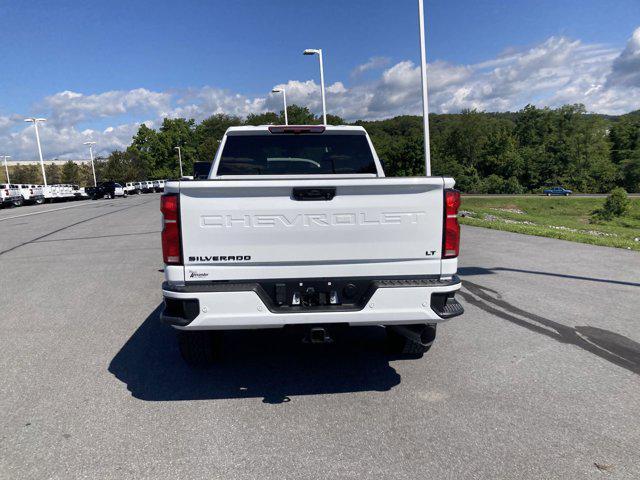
x: 310, y: 235
x: 158, y: 185
x: 10, y: 195
x: 32, y: 193
x: 108, y: 190
x: 131, y: 188
x: 557, y: 191
x: 146, y: 186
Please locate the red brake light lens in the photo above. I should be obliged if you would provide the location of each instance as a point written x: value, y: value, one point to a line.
x: 298, y: 129
x: 170, y: 208
x: 451, y: 227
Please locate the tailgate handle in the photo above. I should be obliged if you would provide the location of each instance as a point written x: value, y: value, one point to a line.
x: 313, y: 194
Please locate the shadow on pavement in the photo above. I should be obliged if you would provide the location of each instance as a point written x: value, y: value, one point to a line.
x: 472, y: 271
x: 271, y: 364
x: 610, y: 346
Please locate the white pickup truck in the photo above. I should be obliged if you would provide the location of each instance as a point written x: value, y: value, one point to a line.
x: 298, y: 226
x: 10, y: 195
x: 32, y: 193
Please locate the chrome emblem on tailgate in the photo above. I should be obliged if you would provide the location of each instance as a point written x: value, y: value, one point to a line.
x: 312, y: 219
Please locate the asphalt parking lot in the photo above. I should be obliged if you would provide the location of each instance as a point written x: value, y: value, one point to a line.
x: 539, y: 378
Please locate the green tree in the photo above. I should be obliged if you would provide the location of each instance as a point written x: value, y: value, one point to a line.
x: 149, y: 149
x: 625, y: 149
x: 301, y: 116
x: 209, y: 133
x: 267, y: 118
x: 177, y: 132
x: 70, y: 173
x: 616, y: 205
x: 53, y: 173
x: 509, y: 152
x: 116, y: 167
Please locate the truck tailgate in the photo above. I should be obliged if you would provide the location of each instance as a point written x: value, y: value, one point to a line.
x: 255, y: 229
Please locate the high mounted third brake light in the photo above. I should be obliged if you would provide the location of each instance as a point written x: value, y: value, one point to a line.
x: 451, y: 228
x: 170, y: 208
x: 296, y: 129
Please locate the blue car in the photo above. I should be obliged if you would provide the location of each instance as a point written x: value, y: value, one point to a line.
x: 557, y: 191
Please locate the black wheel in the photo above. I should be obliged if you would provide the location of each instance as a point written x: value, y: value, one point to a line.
x: 198, y: 348
x: 39, y: 201
x: 18, y: 203
x: 398, y: 344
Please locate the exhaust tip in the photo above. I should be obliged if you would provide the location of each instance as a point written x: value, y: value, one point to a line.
x: 428, y: 335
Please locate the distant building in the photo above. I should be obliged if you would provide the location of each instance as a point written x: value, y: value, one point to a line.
x: 13, y: 163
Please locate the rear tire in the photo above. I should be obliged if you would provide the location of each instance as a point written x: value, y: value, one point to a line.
x: 398, y: 344
x: 198, y: 348
x: 18, y: 203
x: 39, y: 201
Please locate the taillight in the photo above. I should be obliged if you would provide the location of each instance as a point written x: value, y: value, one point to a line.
x: 451, y: 228
x: 297, y: 129
x: 170, y: 208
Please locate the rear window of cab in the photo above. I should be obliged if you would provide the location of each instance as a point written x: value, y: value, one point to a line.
x: 296, y: 154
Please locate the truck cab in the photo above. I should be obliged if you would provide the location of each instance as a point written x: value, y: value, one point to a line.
x: 298, y: 226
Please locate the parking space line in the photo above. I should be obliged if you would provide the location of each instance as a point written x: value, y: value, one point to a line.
x: 84, y: 203
x: 45, y: 211
x: 33, y: 240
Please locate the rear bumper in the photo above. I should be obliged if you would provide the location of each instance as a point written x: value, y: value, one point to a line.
x: 227, y: 306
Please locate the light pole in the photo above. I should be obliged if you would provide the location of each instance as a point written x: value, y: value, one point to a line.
x: 284, y: 99
x: 6, y: 169
x: 179, y: 159
x: 425, y: 94
x: 93, y: 169
x: 35, y: 124
x: 318, y: 51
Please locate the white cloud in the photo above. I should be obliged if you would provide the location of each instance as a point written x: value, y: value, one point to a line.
x: 69, y: 108
x: 626, y: 68
x: 200, y: 103
x: 551, y: 73
x: 67, y: 142
x: 374, y: 63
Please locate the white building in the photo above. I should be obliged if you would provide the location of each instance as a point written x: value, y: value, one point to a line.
x: 13, y: 163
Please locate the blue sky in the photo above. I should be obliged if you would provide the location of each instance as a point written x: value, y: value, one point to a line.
x: 125, y: 62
